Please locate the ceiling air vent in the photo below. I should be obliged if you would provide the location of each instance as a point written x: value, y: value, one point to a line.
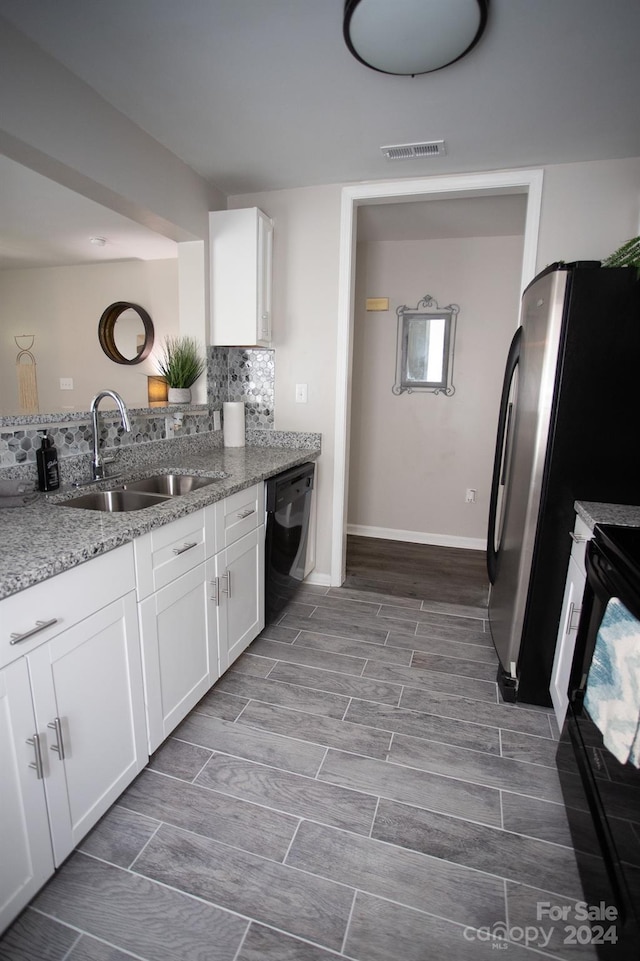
x: 414, y: 151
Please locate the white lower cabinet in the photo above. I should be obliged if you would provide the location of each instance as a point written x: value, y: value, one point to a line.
x: 569, y: 620
x: 87, y: 694
x: 99, y: 664
x: 179, y: 650
x: 236, y: 575
x: 73, y: 730
x: 204, y: 614
x: 25, y: 842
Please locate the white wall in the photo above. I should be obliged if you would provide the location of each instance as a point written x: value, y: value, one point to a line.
x: 588, y: 210
x: 305, y: 301
x: 413, y: 456
x: 62, y: 306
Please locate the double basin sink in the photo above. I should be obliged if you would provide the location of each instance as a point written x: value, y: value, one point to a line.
x: 137, y: 494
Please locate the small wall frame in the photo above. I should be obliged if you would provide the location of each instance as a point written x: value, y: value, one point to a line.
x: 425, y: 348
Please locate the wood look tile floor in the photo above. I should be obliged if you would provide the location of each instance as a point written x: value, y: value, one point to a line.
x: 352, y: 788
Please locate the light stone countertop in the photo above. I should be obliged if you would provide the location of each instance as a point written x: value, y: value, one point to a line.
x: 46, y: 538
x: 592, y: 513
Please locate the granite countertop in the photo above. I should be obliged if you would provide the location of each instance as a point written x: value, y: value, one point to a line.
x: 47, y: 538
x: 592, y: 513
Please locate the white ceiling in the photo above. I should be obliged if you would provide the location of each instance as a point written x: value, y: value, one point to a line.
x: 42, y: 224
x: 263, y: 94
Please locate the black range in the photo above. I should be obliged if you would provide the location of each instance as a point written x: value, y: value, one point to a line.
x: 602, y: 795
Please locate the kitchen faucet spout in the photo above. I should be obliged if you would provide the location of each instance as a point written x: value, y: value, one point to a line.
x: 97, y: 463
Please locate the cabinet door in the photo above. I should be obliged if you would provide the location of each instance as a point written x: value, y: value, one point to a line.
x: 240, y: 572
x: 265, y: 255
x: 240, y: 250
x: 25, y: 842
x: 569, y: 618
x: 87, y: 694
x: 179, y: 650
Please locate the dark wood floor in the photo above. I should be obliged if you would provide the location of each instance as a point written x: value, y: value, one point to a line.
x: 449, y: 574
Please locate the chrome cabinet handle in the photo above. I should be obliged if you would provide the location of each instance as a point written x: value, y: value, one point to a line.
x: 227, y: 574
x: 577, y: 538
x: 40, y: 626
x: 36, y: 764
x: 185, y: 547
x: 56, y: 726
x: 215, y: 583
x: 574, y: 618
x: 246, y: 513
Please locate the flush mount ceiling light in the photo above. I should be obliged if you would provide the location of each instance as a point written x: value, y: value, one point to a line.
x: 409, y: 37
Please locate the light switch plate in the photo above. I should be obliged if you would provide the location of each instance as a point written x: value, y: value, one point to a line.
x: 301, y: 394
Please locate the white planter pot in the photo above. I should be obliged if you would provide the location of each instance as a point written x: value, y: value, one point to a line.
x: 179, y: 395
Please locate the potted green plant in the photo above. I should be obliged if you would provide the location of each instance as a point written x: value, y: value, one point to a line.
x: 180, y: 363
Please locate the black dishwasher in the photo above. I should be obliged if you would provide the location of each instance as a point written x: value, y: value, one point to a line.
x: 288, y: 508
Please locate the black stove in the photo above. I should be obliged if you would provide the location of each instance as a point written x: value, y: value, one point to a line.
x: 621, y: 546
x: 602, y: 796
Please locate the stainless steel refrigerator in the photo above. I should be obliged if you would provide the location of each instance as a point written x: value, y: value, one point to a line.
x: 568, y: 429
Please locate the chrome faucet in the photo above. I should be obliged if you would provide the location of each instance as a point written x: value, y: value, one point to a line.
x: 97, y: 463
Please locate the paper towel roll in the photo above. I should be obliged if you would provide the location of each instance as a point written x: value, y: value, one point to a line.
x: 233, y: 423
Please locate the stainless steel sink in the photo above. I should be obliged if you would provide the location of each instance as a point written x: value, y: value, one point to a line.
x: 115, y: 501
x: 171, y: 485
x: 138, y: 494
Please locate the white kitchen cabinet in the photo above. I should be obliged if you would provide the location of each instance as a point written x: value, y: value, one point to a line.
x: 73, y: 722
x: 25, y: 841
x: 179, y: 651
x: 236, y: 575
x: 167, y: 552
x: 236, y: 571
x: 569, y: 619
x: 241, y: 244
x: 178, y: 633
x: 87, y: 694
x: 197, y: 615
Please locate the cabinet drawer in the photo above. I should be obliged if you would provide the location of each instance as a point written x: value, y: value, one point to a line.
x: 580, y: 537
x: 43, y: 611
x: 170, y: 551
x: 238, y: 514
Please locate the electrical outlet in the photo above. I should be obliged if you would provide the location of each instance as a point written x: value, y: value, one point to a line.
x: 216, y: 420
x: 470, y: 496
x: 301, y: 394
x: 66, y: 383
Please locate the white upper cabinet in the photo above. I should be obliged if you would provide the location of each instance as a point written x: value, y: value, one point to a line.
x: 241, y: 268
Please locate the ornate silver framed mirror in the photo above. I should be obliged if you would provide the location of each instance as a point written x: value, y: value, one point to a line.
x: 425, y: 348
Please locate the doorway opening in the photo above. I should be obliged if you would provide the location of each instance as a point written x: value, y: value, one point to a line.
x: 527, y: 183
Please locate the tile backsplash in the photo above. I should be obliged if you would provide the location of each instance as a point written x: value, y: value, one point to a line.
x: 243, y: 373
x: 233, y: 373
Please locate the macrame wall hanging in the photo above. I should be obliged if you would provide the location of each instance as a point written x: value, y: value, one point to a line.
x: 26, y: 374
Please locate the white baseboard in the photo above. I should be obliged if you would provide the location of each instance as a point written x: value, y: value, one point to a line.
x: 418, y: 537
x: 322, y: 580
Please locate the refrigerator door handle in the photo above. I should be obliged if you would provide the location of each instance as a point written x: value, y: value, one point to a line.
x: 500, y: 464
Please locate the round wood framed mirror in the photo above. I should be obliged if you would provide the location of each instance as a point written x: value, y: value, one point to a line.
x: 125, y: 332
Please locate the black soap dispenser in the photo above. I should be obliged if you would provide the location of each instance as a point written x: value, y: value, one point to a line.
x: 47, y: 461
